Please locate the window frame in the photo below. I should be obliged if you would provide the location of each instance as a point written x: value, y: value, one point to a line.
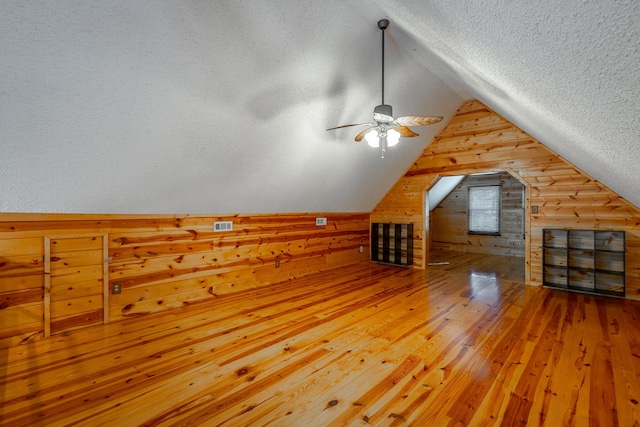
x: 498, y: 212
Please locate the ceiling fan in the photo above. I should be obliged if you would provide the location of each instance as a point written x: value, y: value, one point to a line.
x: 385, y: 131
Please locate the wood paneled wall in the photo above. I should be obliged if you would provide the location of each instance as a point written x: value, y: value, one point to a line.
x: 479, y: 140
x: 448, y: 221
x: 163, y: 262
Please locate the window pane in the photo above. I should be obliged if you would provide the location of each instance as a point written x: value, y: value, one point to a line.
x: 484, y: 209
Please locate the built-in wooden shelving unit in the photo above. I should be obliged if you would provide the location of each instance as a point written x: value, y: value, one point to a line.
x: 585, y: 260
x: 392, y: 243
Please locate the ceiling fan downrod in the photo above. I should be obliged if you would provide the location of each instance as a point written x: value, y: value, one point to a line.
x: 383, y: 24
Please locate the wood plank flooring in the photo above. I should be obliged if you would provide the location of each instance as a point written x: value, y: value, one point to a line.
x: 464, y: 343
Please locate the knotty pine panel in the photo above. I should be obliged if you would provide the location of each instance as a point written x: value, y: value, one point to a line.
x: 21, y: 286
x: 448, y: 224
x: 77, y: 321
x: 477, y: 140
x: 163, y: 261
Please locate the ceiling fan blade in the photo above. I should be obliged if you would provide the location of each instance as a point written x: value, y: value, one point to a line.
x: 404, y: 131
x: 358, y: 124
x: 418, y: 120
x: 379, y: 117
x: 359, y: 136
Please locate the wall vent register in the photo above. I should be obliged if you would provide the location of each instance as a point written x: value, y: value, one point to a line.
x: 223, y: 226
x: 584, y: 260
x: 392, y: 243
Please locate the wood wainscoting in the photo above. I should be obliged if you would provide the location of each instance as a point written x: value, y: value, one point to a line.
x: 460, y: 344
x: 158, y: 262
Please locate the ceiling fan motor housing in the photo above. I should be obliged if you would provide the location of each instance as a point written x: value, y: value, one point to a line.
x: 383, y: 109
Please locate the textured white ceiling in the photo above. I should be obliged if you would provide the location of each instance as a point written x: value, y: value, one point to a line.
x: 221, y: 107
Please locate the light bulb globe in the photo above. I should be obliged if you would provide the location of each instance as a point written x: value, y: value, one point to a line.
x: 372, y: 138
x: 393, y: 137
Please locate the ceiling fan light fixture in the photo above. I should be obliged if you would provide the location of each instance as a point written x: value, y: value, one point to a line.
x: 372, y: 138
x: 393, y: 137
x: 385, y: 131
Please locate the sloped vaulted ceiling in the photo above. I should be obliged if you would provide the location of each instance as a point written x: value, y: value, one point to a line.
x: 221, y: 107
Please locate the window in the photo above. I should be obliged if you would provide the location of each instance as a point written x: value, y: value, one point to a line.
x: 483, y: 213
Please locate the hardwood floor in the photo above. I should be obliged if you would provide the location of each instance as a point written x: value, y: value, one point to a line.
x: 464, y: 343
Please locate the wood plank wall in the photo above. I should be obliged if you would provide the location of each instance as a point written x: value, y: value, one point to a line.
x: 167, y: 261
x: 448, y: 221
x: 478, y: 140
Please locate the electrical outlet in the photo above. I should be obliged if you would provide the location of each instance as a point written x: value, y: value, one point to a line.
x: 277, y: 263
x: 321, y: 221
x: 361, y: 249
x: 116, y: 288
